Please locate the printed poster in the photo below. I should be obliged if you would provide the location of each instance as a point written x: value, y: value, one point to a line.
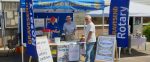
x: 106, y: 48
x: 43, y: 50
x: 74, y: 52
x: 62, y: 53
x: 39, y: 22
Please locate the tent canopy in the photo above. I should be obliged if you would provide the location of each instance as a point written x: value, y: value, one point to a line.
x: 135, y: 9
x: 66, y: 4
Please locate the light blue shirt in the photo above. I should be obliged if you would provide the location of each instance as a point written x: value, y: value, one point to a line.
x: 69, y: 28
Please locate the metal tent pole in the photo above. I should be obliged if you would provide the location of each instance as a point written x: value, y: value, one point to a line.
x: 103, y: 19
x: 2, y: 19
x: 22, y: 48
x: 2, y: 25
x: 133, y: 25
x: 142, y: 19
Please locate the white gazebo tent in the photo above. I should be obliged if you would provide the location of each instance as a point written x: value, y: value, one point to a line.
x: 135, y: 10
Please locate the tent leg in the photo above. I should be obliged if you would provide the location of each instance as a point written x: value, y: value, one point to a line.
x: 119, y: 52
x: 103, y: 19
x: 22, y: 48
x: 2, y: 19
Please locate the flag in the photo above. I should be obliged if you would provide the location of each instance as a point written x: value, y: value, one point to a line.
x: 31, y: 35
x: 118, y: 21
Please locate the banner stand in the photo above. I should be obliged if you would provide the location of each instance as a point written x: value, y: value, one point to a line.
x: 116, y: 53
x: 30, y: 59
x: 22, y: 49
x: 22, y: 45
x: 107, y: 50
x: 103, y: 23
x: 119, y: 52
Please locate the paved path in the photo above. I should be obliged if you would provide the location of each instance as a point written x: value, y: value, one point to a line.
x: 136, y: 59
x: 138, y: 55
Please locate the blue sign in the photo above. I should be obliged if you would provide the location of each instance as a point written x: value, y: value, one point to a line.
x: 119, y: 14
x: 113, y: 17
x: 31, y: 35
x: 61, y: 19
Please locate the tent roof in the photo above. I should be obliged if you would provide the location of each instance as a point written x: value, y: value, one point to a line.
x: 135, y: 9
x: 66, y: 4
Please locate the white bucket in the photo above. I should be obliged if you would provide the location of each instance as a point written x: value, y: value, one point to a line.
x: 57, y: 39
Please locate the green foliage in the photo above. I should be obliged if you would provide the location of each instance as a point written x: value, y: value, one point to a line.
x: 146, y: 32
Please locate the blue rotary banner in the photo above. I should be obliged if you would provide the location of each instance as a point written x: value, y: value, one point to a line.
x: 31, y: 35
x: 118, y: 21
x: 113, y: 17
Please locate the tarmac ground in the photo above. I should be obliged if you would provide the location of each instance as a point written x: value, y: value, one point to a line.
x: 138, y: 55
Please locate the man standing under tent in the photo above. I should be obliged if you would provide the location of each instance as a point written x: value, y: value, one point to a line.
x: 69, y: 29
x: 90, y: 38
x: 54, y: 27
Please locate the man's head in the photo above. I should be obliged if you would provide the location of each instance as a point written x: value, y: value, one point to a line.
x: 68, y: 18
x: 88, y: 19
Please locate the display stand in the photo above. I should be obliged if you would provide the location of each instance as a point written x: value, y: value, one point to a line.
x: 22, y: 34
x: 30, y: 59
x: 106, y: 49
x: 116, y: 54
x: 119, y: 52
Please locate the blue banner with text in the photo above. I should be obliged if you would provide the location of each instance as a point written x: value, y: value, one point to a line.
x: 118, y: 21
x: 31, y: 35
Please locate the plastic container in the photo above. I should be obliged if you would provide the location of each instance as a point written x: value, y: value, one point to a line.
x: 57, y: 39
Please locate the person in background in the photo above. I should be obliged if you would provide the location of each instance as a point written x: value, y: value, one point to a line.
x: 69, y: 29
x: 54, y: 27
x: 90, y: 38
x: 82, y: 45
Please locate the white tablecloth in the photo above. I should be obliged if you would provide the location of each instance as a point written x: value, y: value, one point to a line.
x: 138, y: 41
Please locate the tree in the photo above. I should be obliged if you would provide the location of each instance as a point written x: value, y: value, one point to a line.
x: 146, y: 32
